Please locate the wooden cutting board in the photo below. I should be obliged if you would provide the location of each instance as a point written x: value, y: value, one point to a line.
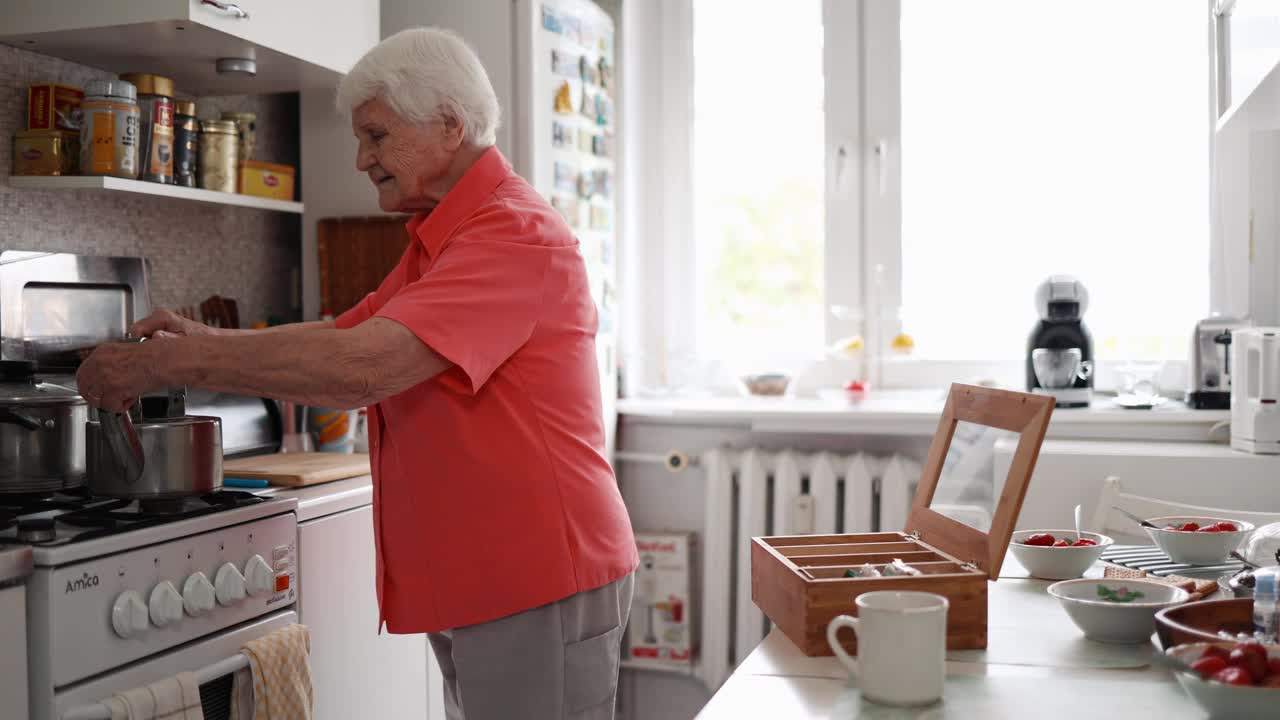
x: 298, y: 469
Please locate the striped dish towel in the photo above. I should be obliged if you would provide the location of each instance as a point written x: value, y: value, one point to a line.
x: 277, y: 684
x: 174, y: 698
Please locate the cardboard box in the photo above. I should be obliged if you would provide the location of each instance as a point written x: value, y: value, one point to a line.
x: 53, y: 107
x: 661, y: 629
x: 266, y: 180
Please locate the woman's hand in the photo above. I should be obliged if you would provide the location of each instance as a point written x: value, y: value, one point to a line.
x: 116, y: 374
x: 163, y: 323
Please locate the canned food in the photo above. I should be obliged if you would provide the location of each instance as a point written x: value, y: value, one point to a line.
x: 219, y: 146
x: 45, y: 152
x: 186, y: 143
x: 155, y: 102
x: 109, y: 129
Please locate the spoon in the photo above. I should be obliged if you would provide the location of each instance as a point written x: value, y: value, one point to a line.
x: 1135, y: 518
x: 1236, y: 554
x: 1077, y: 524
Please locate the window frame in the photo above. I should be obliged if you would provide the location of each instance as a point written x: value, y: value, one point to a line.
x: 862, y: 203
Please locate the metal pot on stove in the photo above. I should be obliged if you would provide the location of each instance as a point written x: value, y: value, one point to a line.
x: 155, y: 450
x: 42, y: 426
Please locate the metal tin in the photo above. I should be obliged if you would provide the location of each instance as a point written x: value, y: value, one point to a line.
x: 186, y: 143
x: 219, y: 146
x: 45, y: 152
x: 155, y: 101
x: 247, y: 126
x: 109, y: 129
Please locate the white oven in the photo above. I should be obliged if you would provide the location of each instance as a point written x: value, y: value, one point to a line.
x: 213, y: 659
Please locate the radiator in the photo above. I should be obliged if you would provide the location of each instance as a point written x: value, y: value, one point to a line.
x: 750, y: 493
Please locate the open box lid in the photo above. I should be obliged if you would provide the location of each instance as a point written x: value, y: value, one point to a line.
x: 955, y: 507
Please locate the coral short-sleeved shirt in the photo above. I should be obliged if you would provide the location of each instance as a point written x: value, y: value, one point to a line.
x: 492, y: 492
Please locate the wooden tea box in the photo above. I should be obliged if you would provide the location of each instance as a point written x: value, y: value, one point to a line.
x: 954, y: 535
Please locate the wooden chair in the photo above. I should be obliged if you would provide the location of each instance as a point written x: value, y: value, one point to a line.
x: 1124, y: 531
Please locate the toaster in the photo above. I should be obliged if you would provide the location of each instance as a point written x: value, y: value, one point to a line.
x: 1210, y: 377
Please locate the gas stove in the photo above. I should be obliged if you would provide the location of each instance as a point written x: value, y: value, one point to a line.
x: 126, y: 592
x: 75, y: 516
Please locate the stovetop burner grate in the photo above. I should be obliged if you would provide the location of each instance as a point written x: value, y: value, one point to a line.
x: 100, y: 517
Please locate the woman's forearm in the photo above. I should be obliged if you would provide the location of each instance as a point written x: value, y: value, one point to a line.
x: 308, y: 363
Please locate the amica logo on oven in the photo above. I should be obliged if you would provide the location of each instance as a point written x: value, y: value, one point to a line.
x: 81, y: 583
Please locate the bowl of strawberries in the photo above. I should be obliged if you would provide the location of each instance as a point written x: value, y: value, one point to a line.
x: 1057, y: 554
x: 1230, y: 679
x: 1198, y: 540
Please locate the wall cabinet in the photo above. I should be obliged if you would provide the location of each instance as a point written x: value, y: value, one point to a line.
x: 296, y: 44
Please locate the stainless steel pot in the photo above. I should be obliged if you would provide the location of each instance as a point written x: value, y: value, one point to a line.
x: 183, y: 456
x: 42, y: 442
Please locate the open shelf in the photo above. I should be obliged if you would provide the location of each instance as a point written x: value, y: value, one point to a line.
x: 98, y: 182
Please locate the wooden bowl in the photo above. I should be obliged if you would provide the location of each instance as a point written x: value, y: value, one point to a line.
x: 1201, y: 621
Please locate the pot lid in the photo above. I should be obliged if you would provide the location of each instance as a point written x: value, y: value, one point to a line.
x: 19, y: 386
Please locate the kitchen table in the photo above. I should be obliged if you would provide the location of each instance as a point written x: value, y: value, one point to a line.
x: 1036, y: 665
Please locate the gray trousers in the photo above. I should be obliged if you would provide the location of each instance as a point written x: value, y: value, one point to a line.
x: 555, y: 662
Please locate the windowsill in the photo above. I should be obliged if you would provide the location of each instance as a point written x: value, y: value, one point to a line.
x: 912, y: 412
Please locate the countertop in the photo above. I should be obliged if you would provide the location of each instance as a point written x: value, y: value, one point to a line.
x: 1036, y: 658
x: 15, y: 564
x: 315, y: 501
x: 913, y: 412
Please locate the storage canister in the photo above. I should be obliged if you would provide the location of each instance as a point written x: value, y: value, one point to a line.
x: 219, y: 146
x: 109, y: 129
x: 155, y: 146
x: 246, y: 124
x: 186, y: 143
x: 45, y: 152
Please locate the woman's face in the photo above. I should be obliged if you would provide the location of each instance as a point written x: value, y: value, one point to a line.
x: 407, y: 162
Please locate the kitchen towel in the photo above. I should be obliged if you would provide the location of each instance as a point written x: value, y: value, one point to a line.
x: 277, y: 684
x: 174, y: 698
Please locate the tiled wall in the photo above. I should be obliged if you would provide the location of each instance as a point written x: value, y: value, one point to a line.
x: 197, y: 249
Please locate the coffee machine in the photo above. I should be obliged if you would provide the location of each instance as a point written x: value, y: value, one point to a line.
x: 1060, y: 349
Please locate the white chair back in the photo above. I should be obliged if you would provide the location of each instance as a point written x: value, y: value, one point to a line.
x: 1108, y: 521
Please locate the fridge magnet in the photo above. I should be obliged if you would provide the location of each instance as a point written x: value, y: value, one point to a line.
x: 587, y: 71
x: 566, y: 177
x: 599, y: 217
x: 601, y: 182
x: 584, y: 185
x: 567, y: 206
x: 606, y: 250
x: 605, y: 75
x: 564, y: 103
x: 588, y: 106
x: 586, y: 140
x: 602, y: 110
x: 572, y: 27
x: 551, y: 21
x: 601, y: 145
x: 561, y: 136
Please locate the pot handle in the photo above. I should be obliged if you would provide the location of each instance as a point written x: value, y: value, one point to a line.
x: 16, y: 418
x: 122, y: 438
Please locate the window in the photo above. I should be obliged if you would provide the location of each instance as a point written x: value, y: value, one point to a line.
x: 1054, y: 137
x: 758, y: 150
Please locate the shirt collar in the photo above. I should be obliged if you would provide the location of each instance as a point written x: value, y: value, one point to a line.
x: 433, y: 228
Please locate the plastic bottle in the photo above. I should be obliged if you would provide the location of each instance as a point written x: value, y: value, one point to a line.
x: 1266, y: 593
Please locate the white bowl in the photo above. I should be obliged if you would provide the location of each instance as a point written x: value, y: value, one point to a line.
x: 1057, y: 563
x: 1220, y: 700
x: 1197, y: 548
x: 1113, y: 621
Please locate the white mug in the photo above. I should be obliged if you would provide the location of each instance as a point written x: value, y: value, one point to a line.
x: 902, y: 645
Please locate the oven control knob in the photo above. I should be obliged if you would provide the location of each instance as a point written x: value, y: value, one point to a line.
x: 197, y: 594
x: 258, y: 575
x: 228, y: 585
x: 165, y: 604
x: 128, y: 614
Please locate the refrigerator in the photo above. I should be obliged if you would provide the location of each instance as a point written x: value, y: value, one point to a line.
x: 564, y: 120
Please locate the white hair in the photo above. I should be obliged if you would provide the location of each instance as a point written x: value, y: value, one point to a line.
x: 425, y: 74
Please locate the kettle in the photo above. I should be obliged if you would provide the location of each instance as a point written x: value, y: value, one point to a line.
x: 1255, y: 390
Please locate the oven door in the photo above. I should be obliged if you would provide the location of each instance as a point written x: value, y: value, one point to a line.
x: 211, y: 654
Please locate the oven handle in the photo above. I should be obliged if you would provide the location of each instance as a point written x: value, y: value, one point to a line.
x: 100, y: 711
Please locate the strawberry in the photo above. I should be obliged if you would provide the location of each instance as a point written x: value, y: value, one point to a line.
x: 1209, y: 665
x: 1233, y: 676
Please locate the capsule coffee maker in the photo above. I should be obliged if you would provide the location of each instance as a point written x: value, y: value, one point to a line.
x: 1060, y: 349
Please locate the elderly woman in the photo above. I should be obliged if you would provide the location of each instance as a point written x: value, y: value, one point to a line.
x: 500, y: 529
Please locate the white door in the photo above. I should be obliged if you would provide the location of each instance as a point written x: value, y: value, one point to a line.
x: 356, y: 672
